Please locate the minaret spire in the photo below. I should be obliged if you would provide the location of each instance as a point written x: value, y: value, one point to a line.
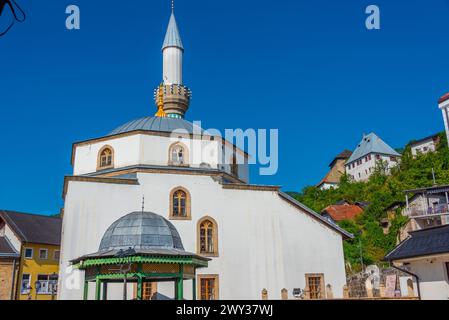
x: 176, y: 96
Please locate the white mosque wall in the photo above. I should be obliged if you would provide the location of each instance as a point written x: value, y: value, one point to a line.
x: 126, y: 153
x: 142, y: 149
x: 264, y: 242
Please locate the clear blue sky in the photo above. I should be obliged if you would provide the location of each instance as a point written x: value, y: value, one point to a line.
x: 308, y: 68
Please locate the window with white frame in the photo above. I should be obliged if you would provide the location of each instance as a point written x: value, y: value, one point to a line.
x: 28, y: 253
x: 178, y: 154
x: 45, y: 284
x: 43, y: 254
x: 25, y: 285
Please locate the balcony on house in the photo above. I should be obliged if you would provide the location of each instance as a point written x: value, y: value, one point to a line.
x: 427, y: 207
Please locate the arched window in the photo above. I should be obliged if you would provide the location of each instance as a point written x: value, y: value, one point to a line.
x: 105, y: 158
x: 178, y: 154
x: 180, y: 204
x: 208, y: 237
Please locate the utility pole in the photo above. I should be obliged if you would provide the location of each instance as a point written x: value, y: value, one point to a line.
x: 361, y: 252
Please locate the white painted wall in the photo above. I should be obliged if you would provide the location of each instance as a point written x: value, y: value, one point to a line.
x: 434, y: 282
x: 9, y: 234
x: 264, y: 242
x: 328, y: 186
x: 363, y: 171
x: 142, y: 149
x: 423, y: 147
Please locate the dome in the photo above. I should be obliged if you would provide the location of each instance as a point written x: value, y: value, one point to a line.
x: 157, y: 124
x: 140, y: 231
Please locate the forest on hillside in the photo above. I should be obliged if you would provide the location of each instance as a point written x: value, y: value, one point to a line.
x: 380, y: 191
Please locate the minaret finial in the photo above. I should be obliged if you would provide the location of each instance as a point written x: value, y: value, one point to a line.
x: 172, y: 6
x: 160, y: 102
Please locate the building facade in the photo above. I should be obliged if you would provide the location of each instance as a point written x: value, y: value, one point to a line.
x: 337, y: 170
x: 425, y: 256
x: 257, y: 238
x: 371, y: 152
x: 425, y: 145
x: 29, y: 256
x: 425, y: 208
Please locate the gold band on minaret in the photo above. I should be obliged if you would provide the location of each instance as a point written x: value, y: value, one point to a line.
x: 160, y: 103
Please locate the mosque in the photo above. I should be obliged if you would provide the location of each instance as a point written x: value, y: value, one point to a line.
x: 145, y: 219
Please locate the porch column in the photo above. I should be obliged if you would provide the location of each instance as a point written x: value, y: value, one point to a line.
x: 194, y: 287
x: 447, y: 199
x: 105, y: 291
x: 424, y: 203
x: 139, y: 287
x: 180, y: 284
x: 86, y: 290
x: 97, y: 288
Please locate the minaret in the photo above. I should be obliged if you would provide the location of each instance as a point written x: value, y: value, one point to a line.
x: 176, y: 96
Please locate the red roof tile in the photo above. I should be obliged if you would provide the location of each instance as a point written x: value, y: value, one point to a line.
x: 343, y: 212
x: 444, y: 98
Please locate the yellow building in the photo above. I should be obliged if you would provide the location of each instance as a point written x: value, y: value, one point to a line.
x: 33, y: 241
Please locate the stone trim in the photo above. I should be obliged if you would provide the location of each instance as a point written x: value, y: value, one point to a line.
x: 149, y: 133
x: 67, y: 179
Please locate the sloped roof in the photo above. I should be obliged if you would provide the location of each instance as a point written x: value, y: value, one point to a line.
x: 344, y: 154
x: 343, y: 212
x: 444, y: 98
x: 158, y: 124
x: 371, y: 143
x: 6, y: 249
x: 329, y: 223
x: 33, y: 228
x: 422, y: 243
x: 172, y: 36
x: 332, y: 177
x: 432, y: 137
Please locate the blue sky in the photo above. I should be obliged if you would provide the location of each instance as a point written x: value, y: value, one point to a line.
x: 307, y: 68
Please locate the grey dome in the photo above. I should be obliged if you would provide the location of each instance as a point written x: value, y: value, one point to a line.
x: 157, y: 124
x: 141, y: 230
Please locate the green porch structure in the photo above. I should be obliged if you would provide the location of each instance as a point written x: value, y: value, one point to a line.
x: 140, y: 269
x: 138, y: 248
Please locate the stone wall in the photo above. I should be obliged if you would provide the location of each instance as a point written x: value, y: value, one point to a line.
x: 6, y: 267
x: 365, y: 285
